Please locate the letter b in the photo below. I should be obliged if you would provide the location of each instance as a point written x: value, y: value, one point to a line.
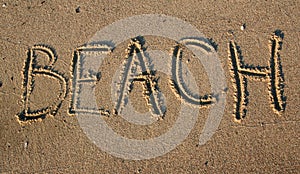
x: 31, y: 69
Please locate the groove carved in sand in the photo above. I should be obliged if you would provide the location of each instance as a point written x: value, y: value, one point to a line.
x: 80, y: 78
x: 272, y: 74
x: 136, y: 68
x: 30, y: 70
x: 177, y: 83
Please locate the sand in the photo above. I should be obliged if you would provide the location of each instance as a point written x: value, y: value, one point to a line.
x: 257, y: 44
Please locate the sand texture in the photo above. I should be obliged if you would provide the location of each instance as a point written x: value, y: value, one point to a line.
x: 45, y: 44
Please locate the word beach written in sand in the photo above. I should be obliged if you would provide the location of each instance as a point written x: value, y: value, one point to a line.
x: 136, y: 69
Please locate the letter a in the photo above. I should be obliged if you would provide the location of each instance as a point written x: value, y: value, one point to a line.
x: 273, y: 74
x: 137, y: 67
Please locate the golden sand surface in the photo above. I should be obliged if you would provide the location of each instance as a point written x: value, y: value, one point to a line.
x: 257, y: 43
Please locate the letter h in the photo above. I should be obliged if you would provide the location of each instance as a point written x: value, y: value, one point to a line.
x: 273, y: 74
